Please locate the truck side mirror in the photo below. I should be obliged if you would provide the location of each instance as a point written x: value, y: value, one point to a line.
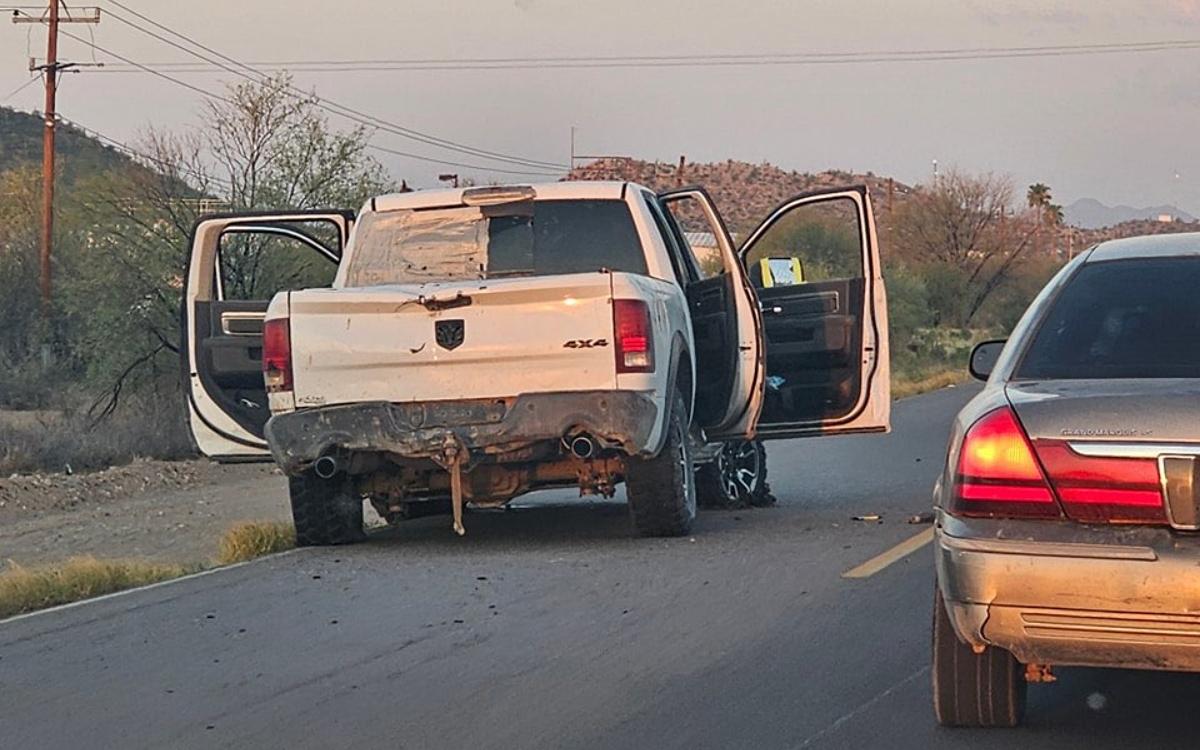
x: 983, y: 358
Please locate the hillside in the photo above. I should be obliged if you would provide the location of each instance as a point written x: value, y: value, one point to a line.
x: 78, y: 153
x: 744, y: 192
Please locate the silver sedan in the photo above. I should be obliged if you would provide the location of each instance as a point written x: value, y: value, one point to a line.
x: 1069, y: 505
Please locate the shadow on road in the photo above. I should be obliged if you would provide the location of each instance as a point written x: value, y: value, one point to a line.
x: 1122, y: 707
x: 549, y: 523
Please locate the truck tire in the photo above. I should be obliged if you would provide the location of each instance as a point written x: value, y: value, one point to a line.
x: 969, y: 689
x: 736, y: 478
x: 325, y: 511
x: 662, y: 490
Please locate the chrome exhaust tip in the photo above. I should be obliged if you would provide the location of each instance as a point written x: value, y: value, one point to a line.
x: 583, y: 446
x: 326, y: 467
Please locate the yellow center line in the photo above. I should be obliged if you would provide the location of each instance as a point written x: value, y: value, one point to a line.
x: 900, y: 551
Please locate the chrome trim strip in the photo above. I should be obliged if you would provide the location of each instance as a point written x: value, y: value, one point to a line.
x: 235, y: 315
x: 1049, y: 549
x: 1134, y: 450
x: 1166, y: 493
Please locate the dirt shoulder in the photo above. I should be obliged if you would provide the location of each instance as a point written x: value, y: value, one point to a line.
x: 169, y: 511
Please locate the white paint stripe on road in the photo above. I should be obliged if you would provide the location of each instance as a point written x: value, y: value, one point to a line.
x: 837, y: 723
x: 147, y: 587
x: 899, y: 552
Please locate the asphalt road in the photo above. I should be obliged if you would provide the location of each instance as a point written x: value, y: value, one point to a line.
x: 547, y: 626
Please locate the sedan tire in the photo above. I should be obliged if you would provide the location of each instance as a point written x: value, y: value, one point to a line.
x: 969, y: 689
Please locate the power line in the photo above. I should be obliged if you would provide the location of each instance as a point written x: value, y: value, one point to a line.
x: 131, y: 151
x: 20, y: 88
x: 219, y: 97
x: 324, y: 103
x: 709, y: 60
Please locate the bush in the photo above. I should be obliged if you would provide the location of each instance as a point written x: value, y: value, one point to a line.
x: 73, y: 441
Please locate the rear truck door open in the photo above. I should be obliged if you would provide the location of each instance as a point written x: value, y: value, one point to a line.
x: 238, y: 262
x: 726, y: 322
x: 814, y: 266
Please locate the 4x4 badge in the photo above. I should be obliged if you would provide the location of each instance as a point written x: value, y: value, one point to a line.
x: 449, y: 333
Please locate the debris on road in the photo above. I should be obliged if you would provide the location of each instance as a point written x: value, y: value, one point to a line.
x: 926, y: 517
x: 869, y: 518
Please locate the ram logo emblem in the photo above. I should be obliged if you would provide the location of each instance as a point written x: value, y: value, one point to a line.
x: 449, y: 333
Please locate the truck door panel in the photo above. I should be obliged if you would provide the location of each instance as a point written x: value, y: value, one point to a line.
x: 825, y: 327
x: 238, y: 262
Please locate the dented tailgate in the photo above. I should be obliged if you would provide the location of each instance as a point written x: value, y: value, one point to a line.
x: 431, y: 342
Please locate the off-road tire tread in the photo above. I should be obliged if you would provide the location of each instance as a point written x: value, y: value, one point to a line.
x: 325, y: 511
x: 969, y: 689
x: 658, y: 503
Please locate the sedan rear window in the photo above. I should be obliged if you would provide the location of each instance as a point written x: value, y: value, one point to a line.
x: 1136, y: 318
x: 538, y: 238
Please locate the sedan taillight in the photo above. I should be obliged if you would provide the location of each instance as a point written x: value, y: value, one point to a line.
x: 277, y: 355
x: 1001, y: 474
x: 1103, y: 490
x: 997, y: 473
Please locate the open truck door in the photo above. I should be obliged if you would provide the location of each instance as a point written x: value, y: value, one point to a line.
x: 726, y: 321
x: 824, y: 311
x: 238, y: 262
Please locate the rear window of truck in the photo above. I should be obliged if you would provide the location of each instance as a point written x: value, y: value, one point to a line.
x: 1137, y: 318
x: 532, y: 238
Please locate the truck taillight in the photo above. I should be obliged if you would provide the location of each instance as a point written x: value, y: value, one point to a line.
x: 1096, y: 489
x: 633, y: 336
x: 277, y: 355
x: 998, y: 474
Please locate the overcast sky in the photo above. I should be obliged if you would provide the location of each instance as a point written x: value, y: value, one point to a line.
x: 1119, y: 128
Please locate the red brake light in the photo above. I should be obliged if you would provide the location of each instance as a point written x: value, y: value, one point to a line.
x: 1103, y: 490
x: 277, y: 355
x: 998, y: 474
x: 634, y: 336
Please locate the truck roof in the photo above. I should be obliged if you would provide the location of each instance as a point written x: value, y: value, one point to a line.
x: 570, y: 189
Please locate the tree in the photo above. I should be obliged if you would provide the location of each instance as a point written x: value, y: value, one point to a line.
x: 1038, y: 198
x: 263, y: 148
x: 1038, y: 195
x: 960, y: 231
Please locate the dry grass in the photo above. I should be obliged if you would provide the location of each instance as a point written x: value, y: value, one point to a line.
x: 71, y: 442
x: 251, y: 539
x: 904, y: 386
x: 28, y: 589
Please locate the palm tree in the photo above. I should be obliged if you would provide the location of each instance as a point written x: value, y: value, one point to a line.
x: 1054, y: 214
x: 1038, y: 197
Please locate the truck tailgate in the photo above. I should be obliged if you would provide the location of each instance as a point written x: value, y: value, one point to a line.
x: 500, y: 337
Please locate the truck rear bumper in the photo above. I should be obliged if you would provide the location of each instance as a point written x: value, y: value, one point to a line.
x: 490, y: 426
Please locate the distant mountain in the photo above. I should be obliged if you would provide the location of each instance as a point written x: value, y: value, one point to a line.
x: 1090, y: 213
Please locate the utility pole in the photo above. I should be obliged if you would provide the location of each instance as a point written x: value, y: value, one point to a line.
x: 50, y: 69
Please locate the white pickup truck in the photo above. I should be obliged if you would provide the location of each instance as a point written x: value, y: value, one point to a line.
x: 455, y: 347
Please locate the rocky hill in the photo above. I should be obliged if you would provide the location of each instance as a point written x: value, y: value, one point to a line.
x: 744, y: 192
x: 78, y: 153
